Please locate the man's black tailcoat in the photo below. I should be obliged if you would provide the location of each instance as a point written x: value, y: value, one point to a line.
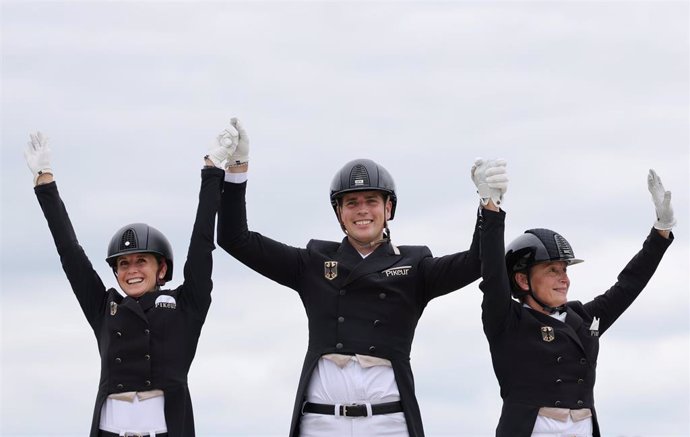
x: 370, y: 306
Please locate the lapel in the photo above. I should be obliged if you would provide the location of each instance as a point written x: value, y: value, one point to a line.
x: 139, y: 307
x: 380, y: 259
x: 573, y: 322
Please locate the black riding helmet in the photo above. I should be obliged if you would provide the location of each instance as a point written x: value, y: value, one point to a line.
x: 138, y: 238
x: 533, y: 247
x: 362, y: 175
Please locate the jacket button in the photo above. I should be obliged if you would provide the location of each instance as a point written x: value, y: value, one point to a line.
x: 343, y: 292
x: 580, y: 403
x: 583, y: 361
x: 382, y: 295
x: 118, y: 360
x: 147, y: 332
x: 341, y: 319
x: 559, y: 359
x: 147, y: 383
x: 339, y: 346
x: 559, y: 380
x: 120, y: 386
x: 377, y: 323
x: 147, y: 357
x: 557, y: 404
x: 118, y: 334
x: 372, y: 348
x: 580, y: 381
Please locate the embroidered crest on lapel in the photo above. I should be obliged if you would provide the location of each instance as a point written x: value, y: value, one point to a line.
x: 330, y: 270
x: 547, y: 334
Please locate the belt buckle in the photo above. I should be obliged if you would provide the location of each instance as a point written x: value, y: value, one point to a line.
x: 352, y: 405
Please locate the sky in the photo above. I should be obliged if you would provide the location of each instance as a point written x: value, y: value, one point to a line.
x: 581, y: 98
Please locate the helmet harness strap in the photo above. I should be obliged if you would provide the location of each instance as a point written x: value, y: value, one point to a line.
x: 548, y: 308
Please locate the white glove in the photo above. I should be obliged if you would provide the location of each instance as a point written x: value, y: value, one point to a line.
x: 240, y: 155
x: 37, y: 155
x: 491, y: 179
x: 224, y: 146
x: 662, y: 202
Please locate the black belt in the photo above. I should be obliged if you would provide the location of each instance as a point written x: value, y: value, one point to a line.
x: 353, y: 410
x: 102, y: 433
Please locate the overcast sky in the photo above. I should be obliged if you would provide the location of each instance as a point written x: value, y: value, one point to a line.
x: 581, y: 99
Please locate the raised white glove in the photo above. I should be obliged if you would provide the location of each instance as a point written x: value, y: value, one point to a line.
x: 37, y: 155
x: 665, y: 220
x: 491, y: 179
x: 224, y: 146
x: 240, y: 155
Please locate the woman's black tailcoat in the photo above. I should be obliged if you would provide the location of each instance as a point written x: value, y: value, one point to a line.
x: 147, y: 343
x: 540, y: 361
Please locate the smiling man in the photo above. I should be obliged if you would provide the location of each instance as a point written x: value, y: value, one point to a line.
x: 363, y: 297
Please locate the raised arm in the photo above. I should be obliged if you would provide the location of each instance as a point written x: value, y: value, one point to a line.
x: 85, y: 282
x: 451, y: 272
x: 198, y: 267
x: 495, y: 285
x: 268, y: 257
x: 637, y: 273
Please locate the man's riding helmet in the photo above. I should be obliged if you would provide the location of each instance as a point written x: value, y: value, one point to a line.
x: 362, y: 175
x: 536, y: 246
x: 138, y: 238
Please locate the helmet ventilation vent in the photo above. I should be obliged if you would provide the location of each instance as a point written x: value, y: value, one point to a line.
x: 129, y: 240
x: 564, y: 249
x: 359, y: 177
